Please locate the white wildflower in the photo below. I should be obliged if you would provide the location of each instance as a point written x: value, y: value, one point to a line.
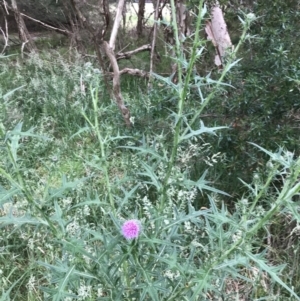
x: 100, y: 292
x: 84, y: 291
x: 187, y: 226
x: 171, y: 275
x: 31, y: 283
x: 86, y: 210
x: 88, y: 65
x: 296, y: 230
x: 30, y: 243
x: 244, y: 202
x: 237, y: 236
x: 251, y: 17
x: 73, y: 228
x: 67, y: 202
x: 147, y: 206
x: 260, y: 211
x: 131, y: 119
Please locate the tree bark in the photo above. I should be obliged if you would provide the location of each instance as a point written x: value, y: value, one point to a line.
x: 109, y: 50
x: 141, y: 15
x: 118, y: 17
x: 116, y: 83
x: 23, y: 32
x: 153, y: 42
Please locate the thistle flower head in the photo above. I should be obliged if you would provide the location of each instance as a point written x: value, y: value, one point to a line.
x: 131, y: 229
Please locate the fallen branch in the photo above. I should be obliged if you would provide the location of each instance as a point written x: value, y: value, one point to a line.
x: 136, y: 72
x: 116, y: 83
x: 63, y: 31
x: 128, y: 54
x: 109, y: 50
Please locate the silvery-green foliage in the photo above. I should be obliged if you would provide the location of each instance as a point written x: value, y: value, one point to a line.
x: 54, y: 89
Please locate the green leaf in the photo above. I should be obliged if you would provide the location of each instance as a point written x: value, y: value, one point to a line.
x: 7, y: 194
x: 277, y: 157
x: 167, y: 80
x: 80, y: 131
x: 127, y: 196
x: 201, y: 184
x: 8, y: 94
x: 143, y: 150
x: 188, y: 217
x: 18, y: 221
x: 62, y: 285
x: 203, y: 130
x: 65, y: 187
x: 272, y: 271
x: 151, y: 174
x: 6, y: 294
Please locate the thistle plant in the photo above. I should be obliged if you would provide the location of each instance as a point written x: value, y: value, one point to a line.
x: 131, y: 229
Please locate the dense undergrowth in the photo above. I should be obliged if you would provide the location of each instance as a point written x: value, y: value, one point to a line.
x: 219, y: 215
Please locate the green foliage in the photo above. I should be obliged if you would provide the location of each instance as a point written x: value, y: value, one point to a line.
x: 263, y: 107
x: 55, y: 90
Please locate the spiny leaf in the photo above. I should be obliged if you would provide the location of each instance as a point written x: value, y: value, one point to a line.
x: 203, y: 129
x: 272, y: 271
x: 8, y: 94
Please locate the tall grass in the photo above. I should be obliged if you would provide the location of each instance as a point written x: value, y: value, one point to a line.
x: 68, y: 185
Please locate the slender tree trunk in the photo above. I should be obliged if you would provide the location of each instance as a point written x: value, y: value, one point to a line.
x: 4, y: 31
x: 124, y: 11
x: 141, y: 15
x: 116, y: 83
x: 23, y: 32
x: 183, y: 19
x: 109, y: 50
x: 153, y: 43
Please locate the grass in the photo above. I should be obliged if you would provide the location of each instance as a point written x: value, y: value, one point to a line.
x: 72, y: 174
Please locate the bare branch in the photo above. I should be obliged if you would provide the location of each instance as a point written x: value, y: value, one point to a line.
x: 136, y: 72
x: 5, y: 6
x: 116, y: 82
x: 5, y: 36
x: 128, y: 54
x: 153, y: 41
x: 118, y: 18
x: 63, y: 31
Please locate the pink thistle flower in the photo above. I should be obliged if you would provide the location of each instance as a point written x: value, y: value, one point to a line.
x: 131, y: 229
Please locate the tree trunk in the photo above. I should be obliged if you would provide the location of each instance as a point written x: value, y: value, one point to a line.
x: 109, y: 50
x: 23, y: 32
x: 141, y: 15
x: 153, y: 42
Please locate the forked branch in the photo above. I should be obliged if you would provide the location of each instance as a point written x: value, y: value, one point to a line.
x: 116, y: 83
x: 109, y: 50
